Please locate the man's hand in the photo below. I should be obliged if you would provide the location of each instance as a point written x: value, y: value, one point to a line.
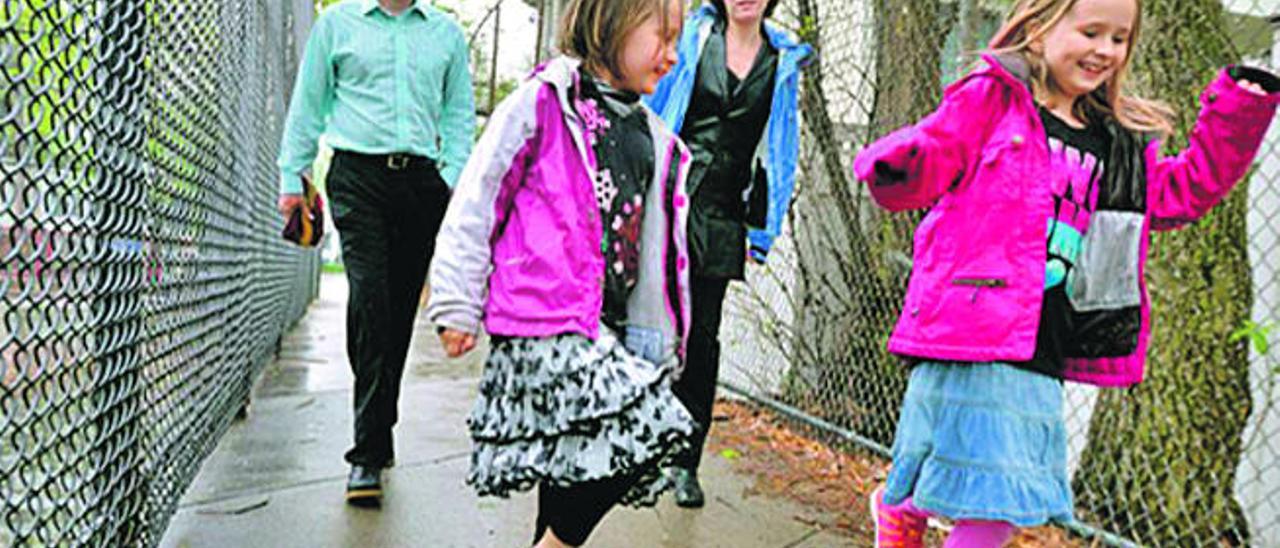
x: 289, y: 202
x: 456, y: 343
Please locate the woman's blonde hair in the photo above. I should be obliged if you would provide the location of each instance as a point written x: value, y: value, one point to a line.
x: 594, y: 30
x: 1031, y: 20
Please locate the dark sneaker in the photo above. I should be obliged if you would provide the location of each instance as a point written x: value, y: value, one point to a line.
x: 364, y: 486
x: 688, y: 491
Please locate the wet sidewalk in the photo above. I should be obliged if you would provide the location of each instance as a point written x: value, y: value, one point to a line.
x: 276, y: 479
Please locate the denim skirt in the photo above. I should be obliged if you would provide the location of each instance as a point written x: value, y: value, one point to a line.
x: 982, y: 442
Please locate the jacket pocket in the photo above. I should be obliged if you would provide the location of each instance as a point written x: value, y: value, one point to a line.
x: 1104, y: 287
x: 1105, y: 276
x: 961, y: 308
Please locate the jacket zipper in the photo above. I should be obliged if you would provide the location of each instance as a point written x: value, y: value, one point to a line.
x: 977, y: 284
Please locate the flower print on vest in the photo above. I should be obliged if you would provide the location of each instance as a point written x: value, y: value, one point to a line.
x: 593, y: 120
x: 606, y: 190
x: 626, y: 245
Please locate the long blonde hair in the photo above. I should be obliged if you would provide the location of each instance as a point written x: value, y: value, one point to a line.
x: 1031, y: 20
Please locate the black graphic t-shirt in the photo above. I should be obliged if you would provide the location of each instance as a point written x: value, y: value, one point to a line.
x: 1077, y: 161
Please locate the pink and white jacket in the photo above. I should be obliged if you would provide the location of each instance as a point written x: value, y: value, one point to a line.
x: 977, y: 282
x: 519, y: 248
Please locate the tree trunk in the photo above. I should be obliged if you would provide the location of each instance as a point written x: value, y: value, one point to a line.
x: 850, y: 269
x: 1161, y: 461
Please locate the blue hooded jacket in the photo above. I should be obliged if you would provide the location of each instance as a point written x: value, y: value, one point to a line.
x: 781, y: 142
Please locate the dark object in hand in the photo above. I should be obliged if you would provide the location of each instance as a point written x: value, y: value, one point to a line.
x: 305, y: 226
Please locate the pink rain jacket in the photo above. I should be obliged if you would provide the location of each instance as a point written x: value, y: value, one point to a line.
x: 977, y: 281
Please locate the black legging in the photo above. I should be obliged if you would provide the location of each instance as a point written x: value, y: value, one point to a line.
x: 696, y: 387
x: 573, y: 512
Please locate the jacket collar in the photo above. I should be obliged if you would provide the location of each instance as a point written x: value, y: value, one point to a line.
x: 1008, y: 66
x: 1012, y: 68
x: 561, y: 73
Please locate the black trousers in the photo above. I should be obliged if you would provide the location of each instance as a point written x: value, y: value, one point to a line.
x: 387, y: 214
x: 573, y: 512
x: 696, y: 388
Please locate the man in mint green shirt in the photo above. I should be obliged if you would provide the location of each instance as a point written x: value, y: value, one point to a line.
x: 387, y: 83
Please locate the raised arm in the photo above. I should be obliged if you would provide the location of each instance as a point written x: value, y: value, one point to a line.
x: 1232, y: 124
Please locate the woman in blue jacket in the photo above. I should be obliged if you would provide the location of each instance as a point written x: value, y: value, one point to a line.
x: 733, y: 99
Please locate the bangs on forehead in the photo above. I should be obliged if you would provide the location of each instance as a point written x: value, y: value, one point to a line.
x: 1087, y: 12
x: 662, y: 8
x: 1030, y: 20
x: 594, y: 31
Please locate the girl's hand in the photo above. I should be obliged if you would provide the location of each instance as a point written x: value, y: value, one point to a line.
x: 456, y: 343
x: 1251, y: 87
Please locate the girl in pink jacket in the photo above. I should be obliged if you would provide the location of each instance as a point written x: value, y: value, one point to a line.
x: 1043, y: 180
x: 565, y: 239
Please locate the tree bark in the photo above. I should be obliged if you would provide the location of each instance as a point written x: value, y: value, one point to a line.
x: 1161, y: 458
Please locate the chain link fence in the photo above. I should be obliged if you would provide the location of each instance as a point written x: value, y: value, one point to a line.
x: 1189, y: 458
x: 143, y: 282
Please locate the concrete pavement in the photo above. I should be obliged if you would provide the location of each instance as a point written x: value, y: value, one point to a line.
x: 276, y: 479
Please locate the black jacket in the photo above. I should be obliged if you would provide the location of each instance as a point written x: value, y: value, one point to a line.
x: 723, y: 128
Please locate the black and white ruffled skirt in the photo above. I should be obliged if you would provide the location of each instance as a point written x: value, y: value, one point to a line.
x: 566, y: 410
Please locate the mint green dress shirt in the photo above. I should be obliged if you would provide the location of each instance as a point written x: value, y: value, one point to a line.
x: 380, y: 84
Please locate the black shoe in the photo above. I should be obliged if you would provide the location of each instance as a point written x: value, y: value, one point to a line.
x: 364, y: 486
x: 688, y: 491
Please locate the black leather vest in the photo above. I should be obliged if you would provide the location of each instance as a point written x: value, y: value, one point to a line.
x: 723, y: 127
